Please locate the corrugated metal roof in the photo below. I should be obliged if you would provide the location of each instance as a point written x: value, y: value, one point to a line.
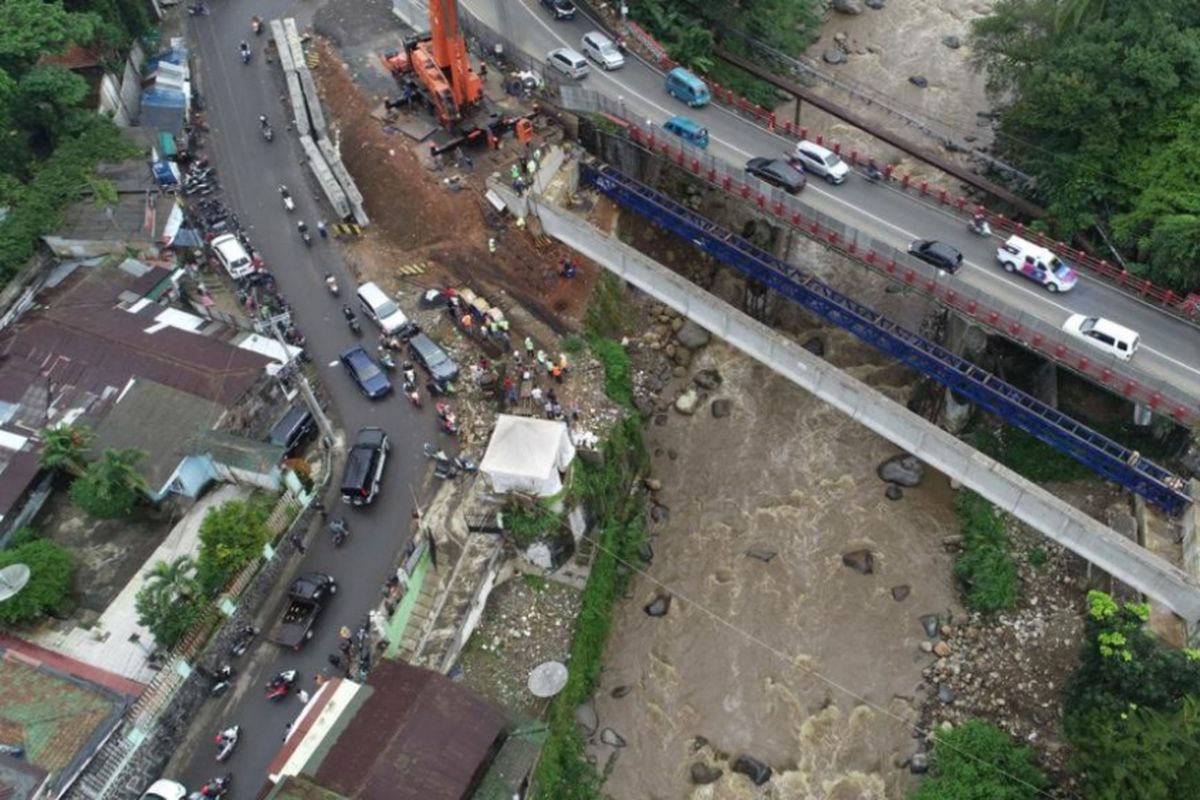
x: 419, y: 737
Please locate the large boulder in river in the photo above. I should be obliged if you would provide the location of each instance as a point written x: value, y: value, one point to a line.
x: 753, y: 769
x: 904, y: 469
x: 692, y: 336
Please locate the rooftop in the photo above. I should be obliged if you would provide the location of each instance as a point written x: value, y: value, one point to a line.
x: 160, y: 421
x: 420, y: 736
x: 58, y: 718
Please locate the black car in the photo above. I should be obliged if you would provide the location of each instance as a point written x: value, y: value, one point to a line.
x: 364, y: 466
x: 777, y: 172
x: 561, y: 9
x: 365, y: 372
x: 292, y: 429
x: 433, y: 358
x: 939, y: 254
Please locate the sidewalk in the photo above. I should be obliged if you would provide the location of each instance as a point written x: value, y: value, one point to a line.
x: 108, y: 644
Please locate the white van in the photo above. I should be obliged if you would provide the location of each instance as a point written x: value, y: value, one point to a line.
x: 569, y: 62
x: 602, y: 50
x: 1037, y: 263
x: 382, y: 310
x: 1106, y: 335
x: 232, y: 255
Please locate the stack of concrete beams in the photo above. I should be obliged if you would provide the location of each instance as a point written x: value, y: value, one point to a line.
x: 323, y: 157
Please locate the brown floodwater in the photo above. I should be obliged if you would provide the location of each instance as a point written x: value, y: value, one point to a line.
x: 800, y: 661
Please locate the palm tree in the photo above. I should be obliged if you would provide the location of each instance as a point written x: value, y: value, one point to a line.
x: 119, y: 468
x: 173, y: 581
x: 110, y: 487
x: 65, y: 447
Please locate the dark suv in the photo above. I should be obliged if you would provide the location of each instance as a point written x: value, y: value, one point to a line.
x: 292, y: 429
x: 433, y: 358
x: 561, y: 9
x: 364, y: 466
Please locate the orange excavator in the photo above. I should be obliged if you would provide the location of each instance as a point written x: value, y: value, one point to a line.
x: 440, y: 64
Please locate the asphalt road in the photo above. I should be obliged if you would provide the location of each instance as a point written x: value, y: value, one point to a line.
x: 1170, y: 349
x: 250, y: 170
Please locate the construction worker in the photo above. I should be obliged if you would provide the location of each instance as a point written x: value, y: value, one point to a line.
x: 541, y: 358
x: 556, y: 373
x: 529, y: 346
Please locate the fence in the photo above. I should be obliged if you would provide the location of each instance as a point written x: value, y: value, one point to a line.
x: 1018, y: 325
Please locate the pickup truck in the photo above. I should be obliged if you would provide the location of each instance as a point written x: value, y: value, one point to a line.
x: 307, y: 595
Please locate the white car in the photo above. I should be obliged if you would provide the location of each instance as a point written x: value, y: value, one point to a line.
x: 163, y: 789
x: 1106, y: 335
x: 1037, y: 263
x: 602, y: 50
x: 821, y: 161
x: 232, y: 255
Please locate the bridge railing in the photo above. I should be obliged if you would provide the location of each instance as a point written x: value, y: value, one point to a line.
x: 1014, y: 323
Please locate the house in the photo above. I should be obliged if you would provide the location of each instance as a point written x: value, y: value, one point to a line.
x: 407, y: 734
x: 59, y: 712
x: 98, y: 326
x: 527, y: 455
x: 183, y: 452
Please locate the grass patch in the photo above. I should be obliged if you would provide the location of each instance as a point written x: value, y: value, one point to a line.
x: 985, y: 568
x: 573, y: 344
x: 618, y: 379
x: 1037, y: 557
x: 563, y: 772
x: 535, y: 582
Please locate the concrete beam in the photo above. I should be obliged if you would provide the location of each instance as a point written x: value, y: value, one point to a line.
x: 1023, y: 499
x: 333, y: 191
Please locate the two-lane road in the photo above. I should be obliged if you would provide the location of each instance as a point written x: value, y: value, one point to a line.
x: 250, y: 171
x: 1170, y: 348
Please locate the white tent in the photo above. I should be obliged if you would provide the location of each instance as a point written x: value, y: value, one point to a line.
x: 527, y: 455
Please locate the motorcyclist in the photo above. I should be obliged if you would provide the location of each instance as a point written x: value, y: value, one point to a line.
x: 331, y: 282
x: 348, y: 312
x: 978, y: 220
x: 262, y: 121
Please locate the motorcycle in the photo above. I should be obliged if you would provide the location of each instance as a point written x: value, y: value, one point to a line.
x: 385, y: 359
x: 339, y: 531
x: 873, y: 173
x: 222, y: 680
x: 441, y: 458
x: 214, y: 789
x: 979, y: 225
x: 304, y: 234
x: 447, y: 420
x: 227, y: 740
x: 351, y: 320
x: 412, y: 393
x: 331, y: 284
x: 288, y: 203
x: 268, y: 134
x: 198, y: 10
x: 281, y: 684
x: 241, y: 642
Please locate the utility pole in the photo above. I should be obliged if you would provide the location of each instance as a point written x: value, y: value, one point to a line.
x: 310, y: 399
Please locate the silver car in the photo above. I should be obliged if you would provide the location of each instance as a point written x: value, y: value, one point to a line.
x: 602, y: 50
x: 567, y: 61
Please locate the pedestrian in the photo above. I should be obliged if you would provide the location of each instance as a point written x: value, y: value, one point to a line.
x: 512, y: 397
x: 484, y: 364
x: 303, y: 695
x: 556, y: 373
x: 551, y: 396
x: 319, y: 507
x: 321, y: 229
x: 468, y: 162
x: 536, y: 394
x: 508, y: 384
x: 541, y: 358
x: 287, y: 731
x: 529, y: 346
x: 438, y: 166
x: 557, y: 411
x: 517, y: 359
x: 548, y: 409
x: 562, y: 362
x: 483, y: 70
x: 299, y: 543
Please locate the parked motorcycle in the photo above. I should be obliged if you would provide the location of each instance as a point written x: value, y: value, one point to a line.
x: 241, y: 642
x: 447, y: 463
x: 339, y: 531
x: 281, y: 684
x: 226, y: 741
x: 288, y: 203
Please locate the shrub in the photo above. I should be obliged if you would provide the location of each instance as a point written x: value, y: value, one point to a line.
x: 618, y: 379
x: 985, y: 568
x: 231, y: 535
x: 978, y: 761
x: 51, y: 569
x: 111, y: 486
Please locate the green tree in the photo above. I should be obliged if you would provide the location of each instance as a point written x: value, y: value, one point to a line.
x: 231, y: 535
x: 1141, y: 754
x: 170, y: 604
x: 978, y: 761
x: 1077, y: 82
x: 65, y: 447
x: 51, y: 570
x: 111, y: 486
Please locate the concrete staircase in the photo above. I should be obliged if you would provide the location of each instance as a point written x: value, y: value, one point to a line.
x: 422, y: 618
